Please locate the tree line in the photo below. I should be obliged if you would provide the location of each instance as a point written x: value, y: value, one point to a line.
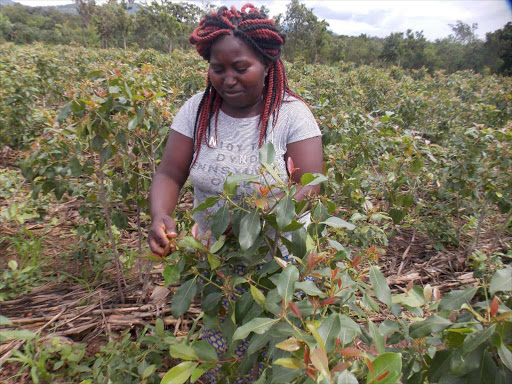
x: 164, y: 26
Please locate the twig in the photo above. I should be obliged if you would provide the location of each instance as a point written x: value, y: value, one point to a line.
x: 109, y: 227
x: 500, y: 232
x: 404, y: 256
x: 107, y: 328
x: 17, y: 344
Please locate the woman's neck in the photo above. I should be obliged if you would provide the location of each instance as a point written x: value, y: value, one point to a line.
x: 241, y: 112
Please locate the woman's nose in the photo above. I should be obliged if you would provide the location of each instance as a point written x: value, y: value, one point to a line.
x: 230, y: 81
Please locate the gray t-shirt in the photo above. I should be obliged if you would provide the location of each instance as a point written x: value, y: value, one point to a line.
x: 236, y: 148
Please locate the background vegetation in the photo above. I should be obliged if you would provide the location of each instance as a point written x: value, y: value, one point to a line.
x: 166, y: 25
x: 404, y: 274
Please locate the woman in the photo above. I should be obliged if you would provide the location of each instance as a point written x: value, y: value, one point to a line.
x: 219, y: 131
x: 246, y: 103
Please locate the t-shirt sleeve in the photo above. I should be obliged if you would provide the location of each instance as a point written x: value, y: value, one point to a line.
x: 301, y: 123
x: 185, y: 118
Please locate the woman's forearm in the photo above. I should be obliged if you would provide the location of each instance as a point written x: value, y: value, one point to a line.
x: 163, y: 196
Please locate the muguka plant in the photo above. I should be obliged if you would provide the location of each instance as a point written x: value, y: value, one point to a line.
x: 294, y: 304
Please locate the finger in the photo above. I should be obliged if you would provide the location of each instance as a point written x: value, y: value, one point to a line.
x: 155, y: 247
x: 170, y: 226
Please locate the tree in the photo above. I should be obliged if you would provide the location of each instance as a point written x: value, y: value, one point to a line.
x: 392, y: 51
x: 463, y: 33
x: 85, y: 9
x: 306, y: 35
x: 498, y: 46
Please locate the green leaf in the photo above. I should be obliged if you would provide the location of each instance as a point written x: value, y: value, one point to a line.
x: 183, y: 352
x: 257, y: 342
x: 149, y: 371
x: 97, y: 142
x: 171, y: 274
x: 259, y: 325
x: 258, y: 296
x: 285, y: 211
x: 160, y: 327
x: 180, y: 373
x: 183, y: 297
x: 211, y: 301
x: 336, y: 222
x: 267, y: 154
x: 426, y: 327
x: 218, y: 244
x: 64, y: 112
x: 190, y: 242
x: 4, y: 320
x: 220, y: 221
x: 22, y: 334
x: 312, y: 179
x: 388, y: 361
x: 380, y: 286
x: 207, y: 203
x: 75, y: 167
x: 452, y: 301
x: 286, y: 283
x: 250, y: 227
x: 329, y: 331
x: 198, y: 372
x: 504, y: 353
x: 290, y: 362
x: 272, y: 173
x: 346, y: 377
x: 501, y: 280
x: 377, y: 337
x: 205, y: 351
x: 349, y: 330
x: 299, y: 242
x: 214, y: 261
x: 309, y: 288
x: 106, y: 153
x: 13, y: 265
x: 474, y: 340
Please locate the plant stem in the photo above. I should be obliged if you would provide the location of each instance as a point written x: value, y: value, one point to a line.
x: 106, y: 209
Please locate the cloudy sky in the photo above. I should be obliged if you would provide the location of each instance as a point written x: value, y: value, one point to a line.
x: 381, y: 17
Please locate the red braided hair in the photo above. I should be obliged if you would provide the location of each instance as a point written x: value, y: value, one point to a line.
x: 265, y: 39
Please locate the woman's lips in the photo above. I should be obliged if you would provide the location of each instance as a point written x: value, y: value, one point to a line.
x: 231, y: 93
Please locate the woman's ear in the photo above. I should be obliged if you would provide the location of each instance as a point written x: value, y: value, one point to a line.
x: 267, y: 68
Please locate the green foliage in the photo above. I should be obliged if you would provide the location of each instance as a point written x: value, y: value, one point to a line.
x: 309, y: 323
x: 402, y: 150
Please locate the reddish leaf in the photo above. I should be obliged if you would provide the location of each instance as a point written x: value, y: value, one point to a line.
x: 370, y: 365
x: 328, y: 301
x: 334, y: 272
x: 289, y: 165
x: 293, y: 307
x: 356, y: 261
x: 351, y: 352
x: 195, y: 231
x: 338, y: 342
x: 339, y: 283
x: 311, y: 373
x: 340, y: 367
x: 306, y: 356
x: 221, y: 275
x: 409, y: 286
x: 494, y: 306
x: 383, y: 376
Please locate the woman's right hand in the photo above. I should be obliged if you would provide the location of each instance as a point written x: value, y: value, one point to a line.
x: 162, y: 228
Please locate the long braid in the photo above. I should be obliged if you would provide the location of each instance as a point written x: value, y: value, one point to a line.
x: 260, y: 33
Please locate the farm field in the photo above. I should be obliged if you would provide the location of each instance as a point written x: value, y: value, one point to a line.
x: 405, y: 274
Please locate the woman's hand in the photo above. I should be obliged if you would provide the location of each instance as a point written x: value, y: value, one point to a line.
x: 162, y: 229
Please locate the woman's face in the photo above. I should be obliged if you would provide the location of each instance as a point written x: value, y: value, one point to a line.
x: 238, y: 75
